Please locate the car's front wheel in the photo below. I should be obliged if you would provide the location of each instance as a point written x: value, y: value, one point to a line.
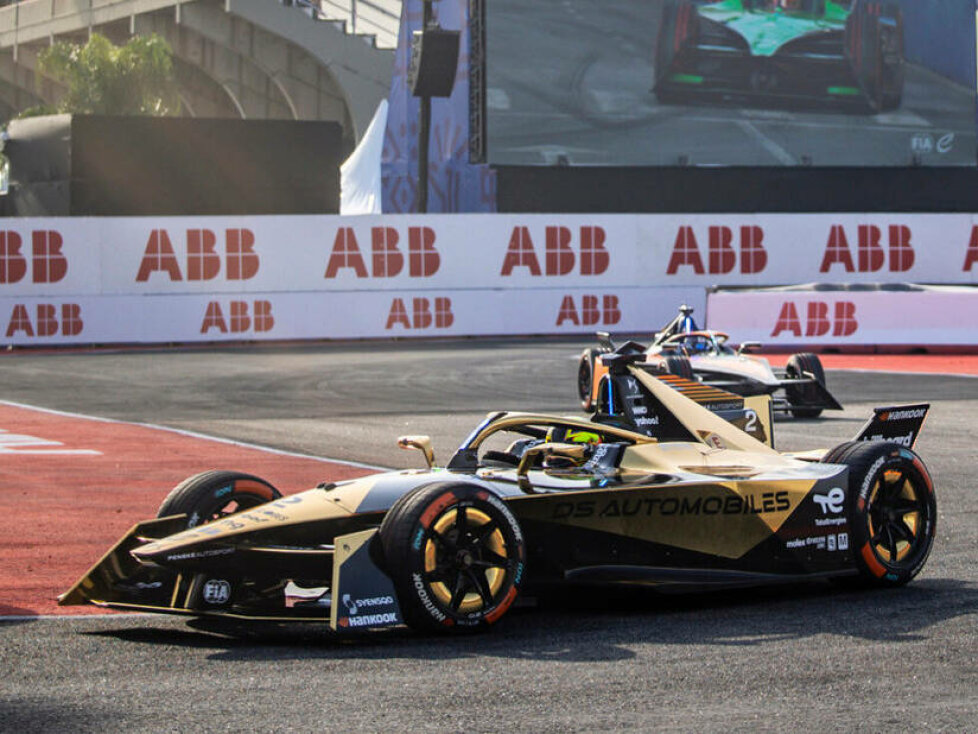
x: 211, y: 495
x: 455, y: 554
x: 798, y: 395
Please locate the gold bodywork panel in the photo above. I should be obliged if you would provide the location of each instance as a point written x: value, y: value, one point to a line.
x: 726, y: 519
x: 313, y: 504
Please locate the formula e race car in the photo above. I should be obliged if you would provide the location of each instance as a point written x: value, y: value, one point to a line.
x: 849, y: 52
x: 684, y: 350
x: 532, y: 502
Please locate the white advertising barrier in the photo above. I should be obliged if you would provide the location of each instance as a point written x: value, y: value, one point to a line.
x: 346, y: 315
x: 272, y: 254
x: 926, y: 317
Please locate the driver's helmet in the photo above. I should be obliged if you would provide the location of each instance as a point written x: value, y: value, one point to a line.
x: 697, y: 343
x: 560, y: 434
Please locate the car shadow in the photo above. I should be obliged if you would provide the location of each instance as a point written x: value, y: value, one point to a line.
x: 601, y: 626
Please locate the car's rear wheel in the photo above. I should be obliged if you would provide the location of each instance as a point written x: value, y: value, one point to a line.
x: 679, y: 366
x: 212, y: 495
x: 585, y: 378
x: 797, y: 367
x: 891, y: 508
x: 455, y: 553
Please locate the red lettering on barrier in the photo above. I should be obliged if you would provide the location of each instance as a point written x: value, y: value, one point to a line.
x: 595, y: 258
x: 593, y: 311
x: 722, y: 255
x: 753, y: 256
x: 442, y: 318
x: 159, y: 256
x: 901, y: 251
x: 242, y: 260
x: 842, y: 323
x: 388, y: 260
x: 13, y: 265
x: 345, y: 254
x: 46, y: 320
x: 50, y: 266
x: 871, y: 255
x: 970, y: 257
x: 787, y: 320
x: 845, y: 319
x: 818, y: 322
x: 837, y: 250
x: 241, y: 320
x: 685, y: 252
x: 560, y: 255
x: 520, y: 253
x: 203, y: 262
x: 424, y: 258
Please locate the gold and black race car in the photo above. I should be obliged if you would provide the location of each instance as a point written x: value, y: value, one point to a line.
x: 528, y: 503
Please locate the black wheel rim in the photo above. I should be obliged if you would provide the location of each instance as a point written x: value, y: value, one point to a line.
x: 897, y: 513
x: 465, y: 560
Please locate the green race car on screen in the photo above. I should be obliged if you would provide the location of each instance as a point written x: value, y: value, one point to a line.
x: 847, y: 52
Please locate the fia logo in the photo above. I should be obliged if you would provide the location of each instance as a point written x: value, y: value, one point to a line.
x: 217, y: 591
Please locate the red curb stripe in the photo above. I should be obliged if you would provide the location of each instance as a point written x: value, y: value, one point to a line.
x: 63, y: 510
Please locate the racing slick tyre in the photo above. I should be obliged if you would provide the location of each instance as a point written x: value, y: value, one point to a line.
x: 211, y: 495
x: 798, y: 365
x: 677, y: 25
x: 585, y: 377
x: 455, y: 553
x: 891, y: 509
x: 680, y: 367
x: 874, y: 45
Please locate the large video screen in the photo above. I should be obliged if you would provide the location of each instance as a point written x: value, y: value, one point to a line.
x: 730, y: 83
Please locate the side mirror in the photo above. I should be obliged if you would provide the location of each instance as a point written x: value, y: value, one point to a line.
x: 748, y: 347
x: 422, y: 443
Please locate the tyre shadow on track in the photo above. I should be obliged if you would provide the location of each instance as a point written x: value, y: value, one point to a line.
x: 604, y: 627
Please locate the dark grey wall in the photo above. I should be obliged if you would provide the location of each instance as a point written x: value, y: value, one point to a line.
x: 742, y: 190
x: 129, y: 166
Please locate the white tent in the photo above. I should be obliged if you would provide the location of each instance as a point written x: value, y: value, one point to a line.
x: 360, y: 173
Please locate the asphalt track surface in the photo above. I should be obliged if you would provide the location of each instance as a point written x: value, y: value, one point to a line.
x: 810, y: 658
x: 569, y: 81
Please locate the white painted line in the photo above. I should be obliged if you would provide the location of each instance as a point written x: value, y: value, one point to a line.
x: 192, y: 434
x: 780, y: 154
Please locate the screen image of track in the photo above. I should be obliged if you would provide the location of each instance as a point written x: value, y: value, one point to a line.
x: 730, y: 82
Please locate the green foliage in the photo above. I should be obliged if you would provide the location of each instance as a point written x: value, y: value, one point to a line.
x: 104, y: 79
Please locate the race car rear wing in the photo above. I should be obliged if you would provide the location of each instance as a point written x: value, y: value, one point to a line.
x: 900, y: 424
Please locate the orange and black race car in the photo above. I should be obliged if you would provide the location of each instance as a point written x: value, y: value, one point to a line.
x: 529, y: 503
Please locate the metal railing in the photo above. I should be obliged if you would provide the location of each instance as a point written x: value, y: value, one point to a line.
x: 378, y: 20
